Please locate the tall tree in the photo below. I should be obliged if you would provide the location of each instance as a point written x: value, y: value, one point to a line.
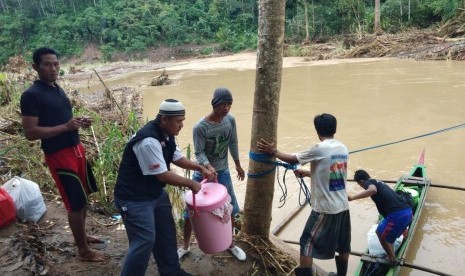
x: 4, y: 6
x: 307, y: 35
x: 259, y: 194
x: 377, y: 16
x: 409, y: 10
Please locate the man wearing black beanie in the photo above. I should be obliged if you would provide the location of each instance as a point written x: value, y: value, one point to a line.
x: 214, y: 136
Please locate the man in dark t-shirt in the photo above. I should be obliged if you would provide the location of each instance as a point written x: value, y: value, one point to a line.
x: 396, y: 212
x: 47, y: 115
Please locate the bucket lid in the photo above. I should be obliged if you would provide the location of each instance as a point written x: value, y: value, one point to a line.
x: 210, y: 196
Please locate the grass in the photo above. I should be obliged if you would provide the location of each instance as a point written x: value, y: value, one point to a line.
x: 104, y: 143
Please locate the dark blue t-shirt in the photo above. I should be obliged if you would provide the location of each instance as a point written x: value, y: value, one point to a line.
x: 52, y: 107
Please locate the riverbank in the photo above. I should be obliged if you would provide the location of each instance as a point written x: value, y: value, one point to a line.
x: 445, y: 43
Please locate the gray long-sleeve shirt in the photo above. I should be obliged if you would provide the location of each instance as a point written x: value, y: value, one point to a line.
x: 212, y: 141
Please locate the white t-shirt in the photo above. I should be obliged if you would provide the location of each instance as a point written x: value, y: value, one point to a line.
x: 328, y: 166
x: 150, y: 156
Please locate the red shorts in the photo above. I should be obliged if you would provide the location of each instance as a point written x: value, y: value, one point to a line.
x: 73, y: 177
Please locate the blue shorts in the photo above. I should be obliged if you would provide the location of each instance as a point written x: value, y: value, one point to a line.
x: 392, y: 226
x: 224, y: 177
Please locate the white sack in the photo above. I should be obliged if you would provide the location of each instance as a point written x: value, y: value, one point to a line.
x: 374, y: 246
x: 28, y: 200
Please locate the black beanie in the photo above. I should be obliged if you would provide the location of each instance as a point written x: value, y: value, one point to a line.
x: 221, y: 95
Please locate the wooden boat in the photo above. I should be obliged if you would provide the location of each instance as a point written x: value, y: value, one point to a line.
x: 417, y: 183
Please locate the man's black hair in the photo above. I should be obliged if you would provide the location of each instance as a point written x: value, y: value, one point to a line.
x: 361, y: 175
x: 325, y: 124
x: 37, y: 55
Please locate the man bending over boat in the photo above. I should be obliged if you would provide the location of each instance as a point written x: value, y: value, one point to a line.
x: 396, y: 212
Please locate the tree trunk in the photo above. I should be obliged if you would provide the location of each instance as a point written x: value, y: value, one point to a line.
x: 3, y: 6
x: 409, y: 10
x: 313, y: 17
x: 307, y: 35
x: 52, y: 5
x: 377, y: 16
x: 72, y: 4
x: 259, y: 194
x: 401, y: 11
x: 42, y: 6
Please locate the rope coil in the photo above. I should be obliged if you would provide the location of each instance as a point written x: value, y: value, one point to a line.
x: 268, y: 159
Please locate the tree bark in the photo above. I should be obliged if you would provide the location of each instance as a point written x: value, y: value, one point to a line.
x: 307, y: 35
x: 313, y: 16
x: 409, y: 10
x: 259, y: 193
x: 3, y: 6
x: 401, y: 11
x: 377, y: 16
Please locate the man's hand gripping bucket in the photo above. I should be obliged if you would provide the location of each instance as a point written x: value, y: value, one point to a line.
x: 210, y: 216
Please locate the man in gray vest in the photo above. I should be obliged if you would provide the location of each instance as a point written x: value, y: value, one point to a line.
x: 140, y: 195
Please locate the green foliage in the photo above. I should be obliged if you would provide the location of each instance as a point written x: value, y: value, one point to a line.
x: 107, y: 51
x: 134, y: 26
x: 207, y: 51
x: 423, y: 14
x: 14, y: 35
x: 231, y: 40
x: 104, y: 143
x: 21, y: 157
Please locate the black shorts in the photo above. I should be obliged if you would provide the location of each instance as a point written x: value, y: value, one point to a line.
x: 325, y: 234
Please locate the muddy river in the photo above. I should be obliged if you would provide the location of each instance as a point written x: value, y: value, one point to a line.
x: 376, y: 102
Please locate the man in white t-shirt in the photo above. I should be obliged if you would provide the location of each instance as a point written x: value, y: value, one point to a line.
x: 327, y: 230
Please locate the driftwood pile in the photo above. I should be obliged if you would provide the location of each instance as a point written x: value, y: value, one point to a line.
x: 269, y: 260
x: 162, y: 79
x: 444, y: 43
x: 455, y: 27
x: 417, y: 45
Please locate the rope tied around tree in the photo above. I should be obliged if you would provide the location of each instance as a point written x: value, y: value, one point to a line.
x: 268, y: 159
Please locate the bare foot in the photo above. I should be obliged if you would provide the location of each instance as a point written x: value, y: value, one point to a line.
x: 91, y: 239
x: 92, y: 256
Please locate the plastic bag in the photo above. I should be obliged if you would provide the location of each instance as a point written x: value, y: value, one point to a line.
x: 28, y: 200
x: 374, y: 246
x: 7, y: 208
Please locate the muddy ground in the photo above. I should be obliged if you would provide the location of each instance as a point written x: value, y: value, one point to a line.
x: 47, y: 248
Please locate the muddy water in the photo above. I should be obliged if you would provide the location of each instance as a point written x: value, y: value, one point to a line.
x: 376, y: 102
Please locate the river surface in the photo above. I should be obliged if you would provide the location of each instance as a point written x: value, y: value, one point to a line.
x: 375, y: 102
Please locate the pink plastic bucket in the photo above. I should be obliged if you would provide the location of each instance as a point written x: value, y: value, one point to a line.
x: 213, y: 232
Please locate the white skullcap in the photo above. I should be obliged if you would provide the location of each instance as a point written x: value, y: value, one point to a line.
x: 171, y: 107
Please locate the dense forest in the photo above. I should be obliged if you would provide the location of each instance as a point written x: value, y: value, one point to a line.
x: 137, y: 25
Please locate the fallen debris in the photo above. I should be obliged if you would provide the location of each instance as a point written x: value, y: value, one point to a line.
x: 162, y: 79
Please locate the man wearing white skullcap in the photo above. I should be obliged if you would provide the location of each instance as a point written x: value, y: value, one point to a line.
x: 140, y: 195
x: 172, y: 107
